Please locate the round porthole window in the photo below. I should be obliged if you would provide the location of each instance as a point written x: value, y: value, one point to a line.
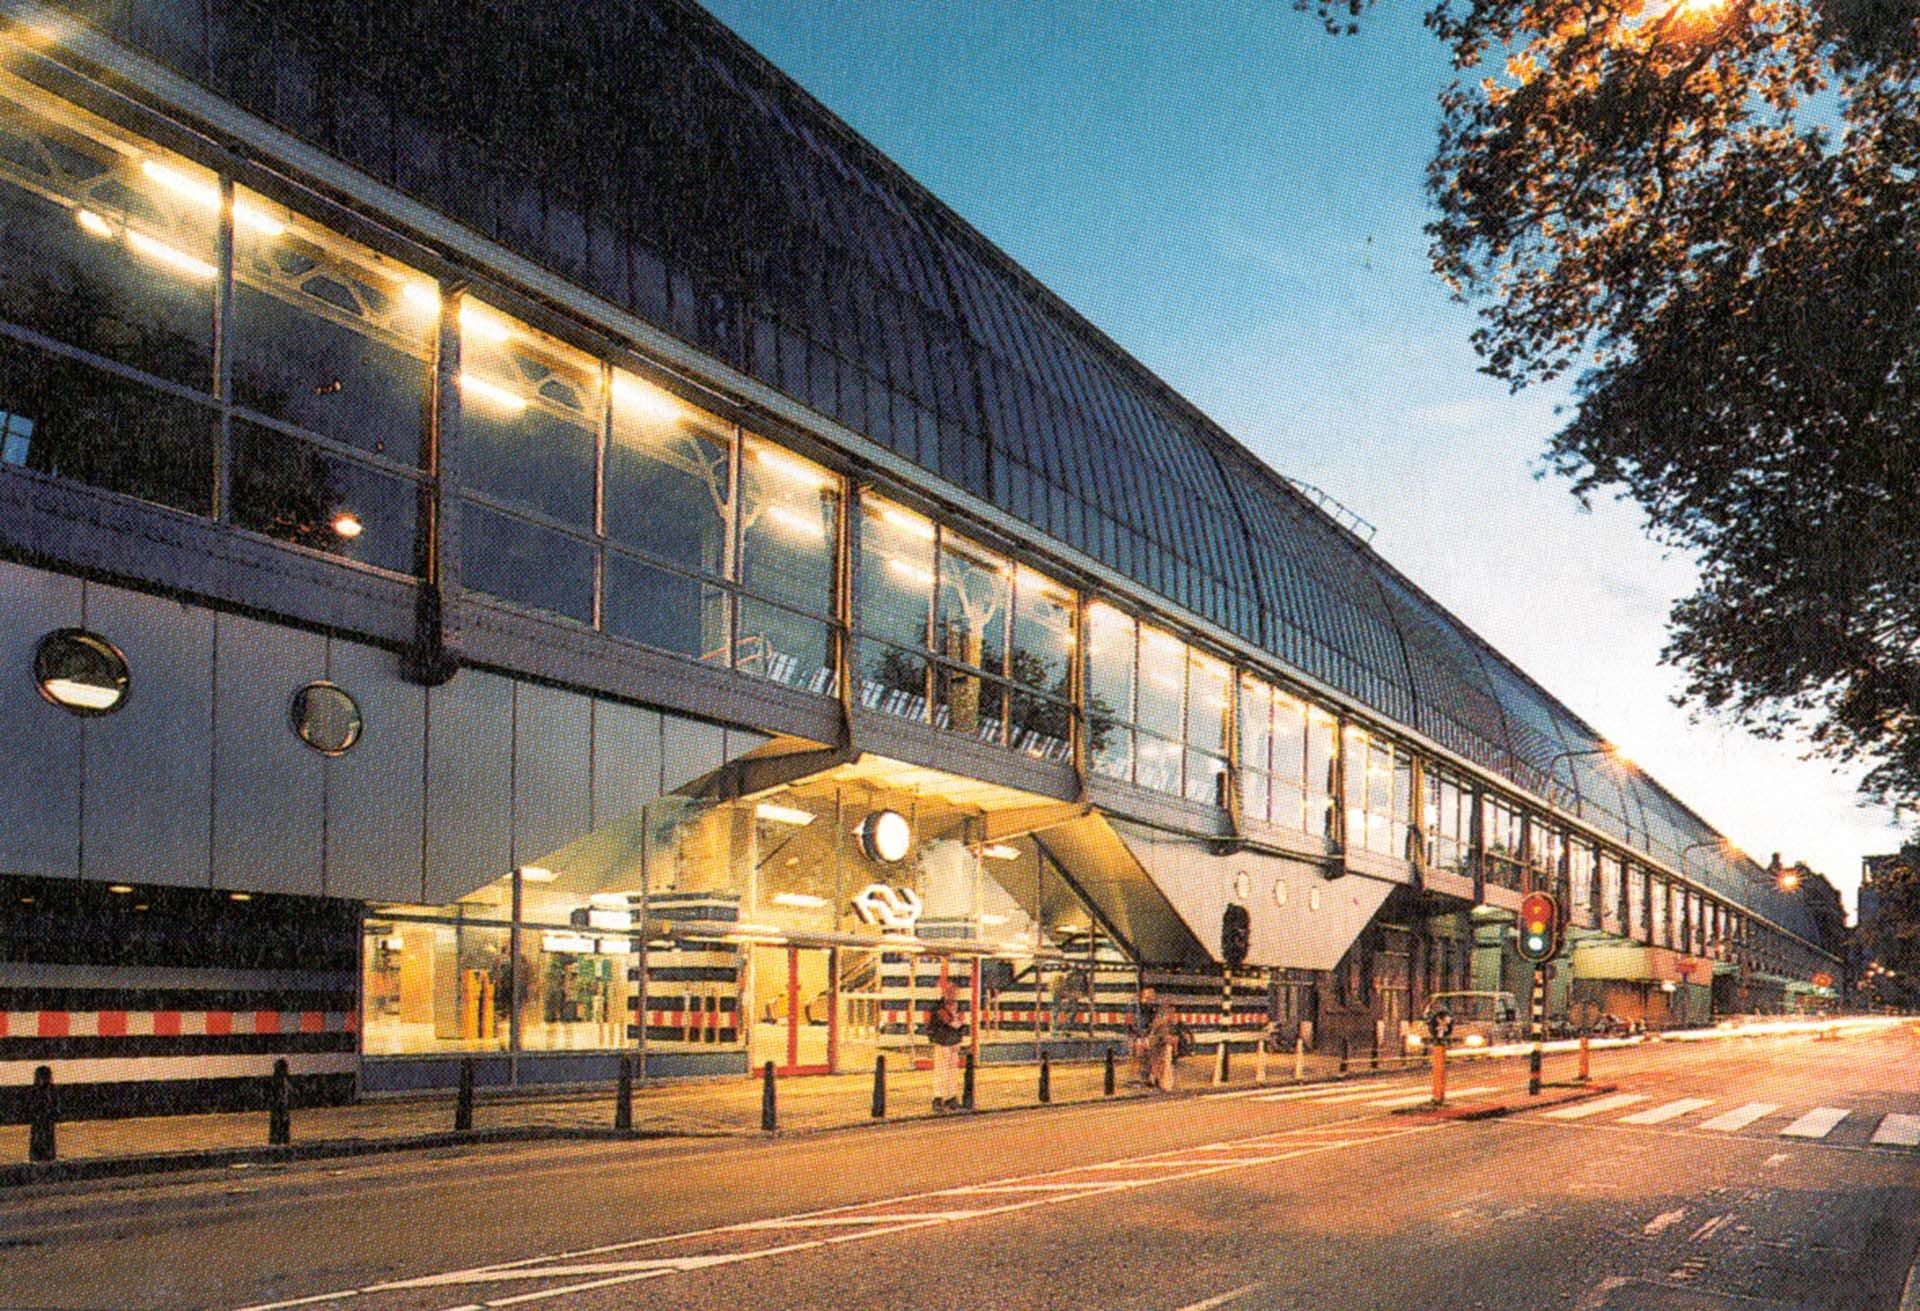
x: 1242, y: 885
x: 326, y: 718
x: 81, y: 672
x: 1313, y: 899
x: 1279, y: 892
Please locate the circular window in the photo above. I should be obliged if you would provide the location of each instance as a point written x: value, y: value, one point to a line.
x: 326, y: 718
x: 1242, y: 885
x: 81, y: 672
x: 1313, y: 899
x: 1279, y: 892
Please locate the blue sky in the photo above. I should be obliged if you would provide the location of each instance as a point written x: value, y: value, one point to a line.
x: 1236, y: 198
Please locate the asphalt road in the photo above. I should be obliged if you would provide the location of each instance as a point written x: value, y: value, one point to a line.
x: 1738, y: 1175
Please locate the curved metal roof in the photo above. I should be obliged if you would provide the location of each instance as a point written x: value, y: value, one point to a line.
x: 642, y: 151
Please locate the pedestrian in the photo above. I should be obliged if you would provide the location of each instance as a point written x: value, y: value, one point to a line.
x: 1163, y: 1042
x: 1141, y: 1050
x: 946, y: 1033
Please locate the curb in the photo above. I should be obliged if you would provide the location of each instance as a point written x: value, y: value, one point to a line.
x: 1499, y: 1110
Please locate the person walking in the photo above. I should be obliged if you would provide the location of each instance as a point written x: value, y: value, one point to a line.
x: 946, y: 1033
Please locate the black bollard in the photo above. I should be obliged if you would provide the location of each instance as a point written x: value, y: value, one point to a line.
x: 769, y: 1110
x: 1373, y: 1061
x: 879, y: 1087
x: 1046, y: 1079
x: 463, y: 1105
x: 1343, y: 1056
x: 1107, y: 1085
x: 279, y: 1107
x: 966, y: 1084
x: 40, y: 1137
x: 623, y: 1094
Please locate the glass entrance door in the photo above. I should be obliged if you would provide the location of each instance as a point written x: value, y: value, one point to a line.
x: 794, y: 1025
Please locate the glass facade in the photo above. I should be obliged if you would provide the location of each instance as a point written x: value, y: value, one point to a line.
x: 169, y: 335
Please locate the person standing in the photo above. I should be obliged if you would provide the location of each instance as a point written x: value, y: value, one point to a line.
x: 1163, y: 1043
x: 946, y: 1033
x: 1142, y: 1050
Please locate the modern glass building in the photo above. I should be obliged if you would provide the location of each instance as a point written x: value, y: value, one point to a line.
x: 523, y: 536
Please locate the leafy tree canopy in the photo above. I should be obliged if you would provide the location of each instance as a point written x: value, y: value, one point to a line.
x: 1707, y: 214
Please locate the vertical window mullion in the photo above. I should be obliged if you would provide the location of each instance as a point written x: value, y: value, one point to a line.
x: 223, y: 357
x: 602, y: 441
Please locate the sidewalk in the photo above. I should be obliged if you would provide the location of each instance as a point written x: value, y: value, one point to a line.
x: 681, y: 1108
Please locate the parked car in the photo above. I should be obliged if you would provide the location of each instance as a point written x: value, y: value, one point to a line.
x: 1471, y: 1019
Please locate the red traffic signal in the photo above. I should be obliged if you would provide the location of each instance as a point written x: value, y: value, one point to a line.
x: 1539, y: 927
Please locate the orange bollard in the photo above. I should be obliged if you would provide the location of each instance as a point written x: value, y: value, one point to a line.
x: 1439, y: 1051
x: 1586, y: 1060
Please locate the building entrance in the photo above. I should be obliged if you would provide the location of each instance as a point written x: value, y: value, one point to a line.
x: 794, y: 1020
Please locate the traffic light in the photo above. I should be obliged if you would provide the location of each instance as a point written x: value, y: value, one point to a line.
x: 1539, y: 927
x: 1236, y: 934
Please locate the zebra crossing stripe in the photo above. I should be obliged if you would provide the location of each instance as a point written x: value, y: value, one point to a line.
x: 1817, y: 1123
x: 1580, y: 1110
x: 1898, y: 1131
x: 1671, y: 1111
x: 1740, y: 1116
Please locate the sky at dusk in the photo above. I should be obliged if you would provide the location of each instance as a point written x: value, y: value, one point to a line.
x: 1236, y: 198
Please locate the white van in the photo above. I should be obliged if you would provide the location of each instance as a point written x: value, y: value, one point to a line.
x: 1478, y: 1019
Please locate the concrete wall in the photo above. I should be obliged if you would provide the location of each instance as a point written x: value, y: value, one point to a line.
x: 199, y: 780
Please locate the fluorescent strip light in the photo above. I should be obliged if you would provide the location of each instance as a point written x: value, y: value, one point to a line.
x: 512, y: 402
x: 648, y: 399
x: 801, y: 900
x: 913, y: 573
x: 208, y: 194
x: 161, y: 253
x: 779, y: 814
x: 535, y: 874
x: 794, y: 521
x: 421, y: 295
x: 93, y: 223
x: 1000, y: 851
x: 992, y: 920
x: 792, y: 467
x: 483, y: 325
x: 911, y: 523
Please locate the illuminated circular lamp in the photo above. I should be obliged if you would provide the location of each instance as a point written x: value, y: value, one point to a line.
x: 347, y: 525
x: 81, y: 672
x: 326, y: 718
x: 886, y: 836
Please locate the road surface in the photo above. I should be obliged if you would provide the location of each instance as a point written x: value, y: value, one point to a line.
x: 1744, y: 1175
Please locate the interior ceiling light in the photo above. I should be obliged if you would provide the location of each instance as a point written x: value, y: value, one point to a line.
x: 910, y: 523
x: 1000, y: 851
x: 161, y: 253
x: 482, y: 325
x: 779, y: 814
x: 347, y: 524
x: 792, y: 467
x: 422, y: 295
x: 802, y: 900
x: 93, y: 223
x: 649, y: 400
x: 493, y: 392
x: 536, y: 874
x: 805, y: 525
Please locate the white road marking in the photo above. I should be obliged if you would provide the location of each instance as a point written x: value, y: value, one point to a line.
x: 1817, y: 1123
x: 1580, y: 1110
x: 1220, y: 1299
x: 830, y: 1221
x: 1664, y: 1221
x: 1898, y: 1131
x: 1671, y: 1111
x: 1740, y: 1117
x: 629, y: 1271
x: 1711, y: 1227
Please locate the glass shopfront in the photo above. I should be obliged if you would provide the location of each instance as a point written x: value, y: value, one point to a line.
x: 810, y: 927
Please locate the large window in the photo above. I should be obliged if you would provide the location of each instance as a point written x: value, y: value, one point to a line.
x: 958, y: 635
x: 108, y: 302
x: 1159, y: 711
x: 1112, y: 642
x: 1449, y: 815
x: 1582, y: 888
x: 1503, y: 831
x: 1379, y: 800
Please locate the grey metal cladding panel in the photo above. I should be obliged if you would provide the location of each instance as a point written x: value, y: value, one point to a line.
x: 149, y: 764
x: 626, y: 760
x: 469, y: 795
x: 552, y: 772
x: 268, y: 811
x: 40, y: 743
x: 376, y: 793
x: 692, y: 750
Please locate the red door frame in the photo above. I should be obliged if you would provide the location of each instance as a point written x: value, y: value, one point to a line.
x: 796, y: 1015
